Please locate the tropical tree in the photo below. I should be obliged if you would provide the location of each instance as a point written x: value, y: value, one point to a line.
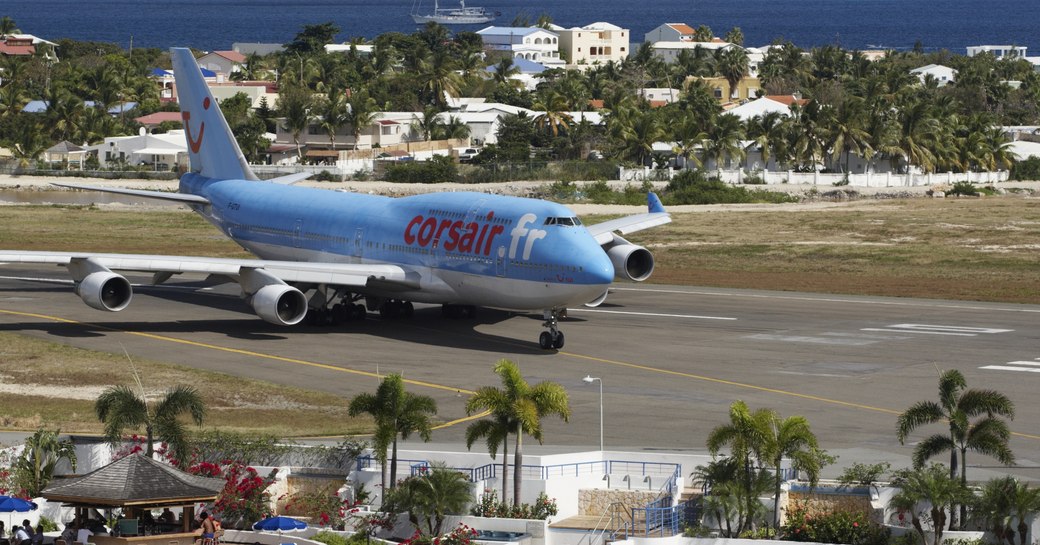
x: 396, y: 413
x: 7, y: 26
x: 733, y: 65
x: 34, y: 469
x: 744, y: 435
x: 790, y: 438
x: 724, y: 139
x: 494, y: 430
x: 294, y: 105
x: 553, y: 119
x: 522, y: 406
x: 431, y: 497
x: 987, y: 434
x: 926, y: 494
x: 361, y: 112
x: 120, y: 408
x: 427, y: 124
x: 333, y: 115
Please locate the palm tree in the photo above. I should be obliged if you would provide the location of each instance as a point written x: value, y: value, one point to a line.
x: 993, y: 507
x: 930, y: 488
x: 427, y: 124
x: 553, y: 119
x: 847, y: 131
x: 294, y: 104
x: 362, y: 111
x: 1025, y: 502
x: 333, y: 115
x: 957, y: 406
x: 688, y: 136
x: 733, y: 65
x: 744, y: 435
x: 789, y: 438
x: 504, y: 71
x: 34, y: 469
x: 7, y: 26
x: 119, y: 408
x: 438, y: 493
x: 522, y: 406
x: 438, y: 77
x: 397, y: 413
x: 494, y: 430
x: 724, y: 139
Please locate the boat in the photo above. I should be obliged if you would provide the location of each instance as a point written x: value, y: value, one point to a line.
x: 455, y: 16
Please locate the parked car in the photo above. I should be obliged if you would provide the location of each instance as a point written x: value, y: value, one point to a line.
x: 468, y: 154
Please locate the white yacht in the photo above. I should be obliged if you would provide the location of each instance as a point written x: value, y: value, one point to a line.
x: 454, y: 16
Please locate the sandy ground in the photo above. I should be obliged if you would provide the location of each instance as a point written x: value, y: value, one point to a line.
x: 813, y: 197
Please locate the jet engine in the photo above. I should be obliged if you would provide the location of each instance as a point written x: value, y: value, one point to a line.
x: 105, y: 290
x: 631, y: 262
x: 279, y: 304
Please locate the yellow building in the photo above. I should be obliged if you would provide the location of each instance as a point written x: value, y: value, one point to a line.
x: 598, y: 43
x: 748, y: 88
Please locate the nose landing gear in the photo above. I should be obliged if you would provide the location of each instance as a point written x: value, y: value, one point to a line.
x: 554, y: 337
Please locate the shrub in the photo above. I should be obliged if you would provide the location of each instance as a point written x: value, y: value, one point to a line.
x: 440, y: 168
x: 330, y: 538
x: 844, y: 526
x: 964, y: 188
x: 489, y: 506
x: 693, y: 187
x: 326, y: 176
x: 1028, y: 169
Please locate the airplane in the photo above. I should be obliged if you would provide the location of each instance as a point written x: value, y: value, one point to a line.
x: 320, y: 252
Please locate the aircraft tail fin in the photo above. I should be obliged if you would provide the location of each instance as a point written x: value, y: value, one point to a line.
x: 212, y: 148
x: 653, y: 203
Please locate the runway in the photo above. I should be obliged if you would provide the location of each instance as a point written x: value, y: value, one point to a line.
x: 671, y: 359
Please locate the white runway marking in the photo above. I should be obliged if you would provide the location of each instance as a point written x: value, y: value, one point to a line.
x: 844, y: 341
x: 930, y: 329
x: 829, y: 299
x: 1024, y: 366
x: 654, y: 314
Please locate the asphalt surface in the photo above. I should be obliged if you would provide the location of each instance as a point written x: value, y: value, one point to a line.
x: 671, y: 359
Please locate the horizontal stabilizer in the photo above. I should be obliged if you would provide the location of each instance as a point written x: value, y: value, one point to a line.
x: 290, y: 179
x: 160, y: 195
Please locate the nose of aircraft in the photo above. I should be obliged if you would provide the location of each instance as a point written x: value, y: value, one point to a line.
x: 598, y: 268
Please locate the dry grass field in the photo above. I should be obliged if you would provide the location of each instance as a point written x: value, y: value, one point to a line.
x: 971, y: 249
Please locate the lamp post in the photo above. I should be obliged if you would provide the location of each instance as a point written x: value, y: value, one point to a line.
x: 590, y: 379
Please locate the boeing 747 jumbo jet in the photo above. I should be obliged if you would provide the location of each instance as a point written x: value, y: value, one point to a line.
x: 322, y: 252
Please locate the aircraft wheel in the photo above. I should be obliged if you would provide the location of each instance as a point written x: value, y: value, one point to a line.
x: 359, y: 312
x: 557, y: 341
x: 545, y: 340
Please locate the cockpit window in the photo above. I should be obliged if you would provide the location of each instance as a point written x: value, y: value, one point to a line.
x: 571, y: 221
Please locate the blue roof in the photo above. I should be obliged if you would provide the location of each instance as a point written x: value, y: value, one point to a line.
x: 160, y: 73
x: 208, y: 73
x: 525, y: 66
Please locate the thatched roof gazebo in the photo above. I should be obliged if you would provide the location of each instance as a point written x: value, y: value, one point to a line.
x: 136, y: 482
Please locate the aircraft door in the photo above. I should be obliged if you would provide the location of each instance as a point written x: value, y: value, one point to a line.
x: 500, y: 264
x: 296, y: 242
x: 359, y: 240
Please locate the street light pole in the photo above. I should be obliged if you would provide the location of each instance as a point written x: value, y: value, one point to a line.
x: 590, y: 379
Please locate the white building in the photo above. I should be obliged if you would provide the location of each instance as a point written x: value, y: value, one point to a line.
x: 531, y: 43
x: 660, y: 94
x: 670, y: 32
x: 943, y: 74
x: 161, y: 151
x: 222, y: 62
x: 998, y: 51
x: 598, y: 43
x: 669, y: 51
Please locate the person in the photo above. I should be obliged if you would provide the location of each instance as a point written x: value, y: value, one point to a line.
x: 21, y: 535
x: 38, y: 534
x: 166, y: 516
x: 68, y: 535
x: 83, y: 534
x: 207, y: 527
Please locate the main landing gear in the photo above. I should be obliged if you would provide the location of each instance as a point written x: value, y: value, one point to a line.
x: 554, y: 337
x: 392, y: 309
x: 326, y: 311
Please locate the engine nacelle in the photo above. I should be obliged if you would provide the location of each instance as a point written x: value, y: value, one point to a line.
x: 280, y: 304
x: 105, y: 290
x: 631, y: 262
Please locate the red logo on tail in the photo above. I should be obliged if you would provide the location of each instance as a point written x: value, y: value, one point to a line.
x: 195, y: 143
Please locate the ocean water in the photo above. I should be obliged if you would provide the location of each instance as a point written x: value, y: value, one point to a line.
x: 853, y: 24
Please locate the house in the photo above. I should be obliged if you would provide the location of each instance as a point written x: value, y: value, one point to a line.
x: 669, y: 51
x: 152, y: 121
x: 364, y: 50
x: 998, y: 51
x: 670, y: 32
x: 942, y: 74
x: 386, y: 129
x: 529, y: 75
x: 27, y: 45
x: 748, y: 88
x: 659, y: 96
x: 161, y: 151
x: 531, y: 43
x: 597, y: 43
x: 222, y: 62
x: 760, y: 107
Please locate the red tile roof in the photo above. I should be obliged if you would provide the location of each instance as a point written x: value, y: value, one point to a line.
x: 233, y: 56
x: 158, y: 117
x: 787, y: 100
x: 682, y: 28
x: 18, y: 50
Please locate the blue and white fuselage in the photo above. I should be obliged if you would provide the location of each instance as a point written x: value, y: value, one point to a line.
x: 467, y: 248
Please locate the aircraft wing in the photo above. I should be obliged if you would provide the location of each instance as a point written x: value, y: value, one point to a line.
x: 656, y: 215
x: 161, y: 195
x: 338, y: 274
x: 604, y: 232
